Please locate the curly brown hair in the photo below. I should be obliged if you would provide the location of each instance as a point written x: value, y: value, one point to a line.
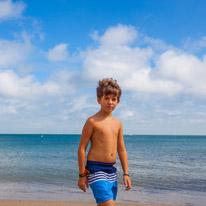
x: 108, y: 86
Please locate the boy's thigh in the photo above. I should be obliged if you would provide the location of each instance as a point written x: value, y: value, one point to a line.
x: 107, y: 203
x: 104, y: 192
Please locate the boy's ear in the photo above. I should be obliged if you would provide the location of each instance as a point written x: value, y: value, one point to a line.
x: 98, y: 100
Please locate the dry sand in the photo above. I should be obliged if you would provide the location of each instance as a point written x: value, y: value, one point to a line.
x: 63, y: 203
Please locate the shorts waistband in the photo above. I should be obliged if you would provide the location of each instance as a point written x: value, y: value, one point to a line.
x: 94, y: 166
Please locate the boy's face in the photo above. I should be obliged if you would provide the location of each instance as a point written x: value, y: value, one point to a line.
x: 108, y: 102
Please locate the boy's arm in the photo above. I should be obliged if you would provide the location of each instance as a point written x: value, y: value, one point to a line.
x: 123, y: 158
x: 85, y: 137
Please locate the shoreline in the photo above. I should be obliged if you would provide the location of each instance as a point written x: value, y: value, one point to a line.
x: 6, y: 202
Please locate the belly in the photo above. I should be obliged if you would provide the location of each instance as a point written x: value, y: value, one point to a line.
x: 102, y: 155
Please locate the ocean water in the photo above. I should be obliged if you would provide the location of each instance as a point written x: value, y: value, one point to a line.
x: 163, y: 169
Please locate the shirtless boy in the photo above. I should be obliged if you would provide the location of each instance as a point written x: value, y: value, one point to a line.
x: 106, y: 135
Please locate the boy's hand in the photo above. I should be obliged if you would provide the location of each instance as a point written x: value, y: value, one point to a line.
x: 127, y: 183
x: 82, y: 183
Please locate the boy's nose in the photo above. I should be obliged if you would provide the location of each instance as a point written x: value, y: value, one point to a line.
x: 110, y: 101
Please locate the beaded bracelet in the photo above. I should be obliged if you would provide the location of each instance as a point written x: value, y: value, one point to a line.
x: 126, y: 175
x: 82, y: 175
x: 85, y: 173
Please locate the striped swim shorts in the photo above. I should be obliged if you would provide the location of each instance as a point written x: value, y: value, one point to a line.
x: 102, y: 180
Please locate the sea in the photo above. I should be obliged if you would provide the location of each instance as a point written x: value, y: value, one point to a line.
x: 163, y: 169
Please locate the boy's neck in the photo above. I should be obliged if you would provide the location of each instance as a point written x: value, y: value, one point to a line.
x: 105, y: 114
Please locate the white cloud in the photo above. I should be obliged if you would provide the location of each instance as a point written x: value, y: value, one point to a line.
x: 25, y: 68
x: 156, y: 44
x: 13, y: 52
x: 7, y: 110
x: 194, y: 44
x: 114, y: 57
x: 11, y: 85
x: 141, y: 81
x: 184, y: 69
x: 58, y: 53
x: 117, y: 62
x: 9, y: 9
x: 119, y: 35
x: 81, y: 103
x: 66, y: 80
x: 126, y: 114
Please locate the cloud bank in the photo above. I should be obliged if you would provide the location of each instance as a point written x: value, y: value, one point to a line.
x: 163, y: 87
x: 170, y: 72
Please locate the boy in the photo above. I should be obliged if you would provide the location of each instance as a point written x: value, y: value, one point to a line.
x: 106, y: 135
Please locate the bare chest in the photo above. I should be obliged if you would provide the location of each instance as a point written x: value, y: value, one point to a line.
x: 106, y: 130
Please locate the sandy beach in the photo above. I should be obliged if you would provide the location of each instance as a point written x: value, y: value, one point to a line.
x: 65, y: 203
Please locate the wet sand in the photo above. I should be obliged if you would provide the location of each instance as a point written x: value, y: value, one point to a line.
x: 66, y: 203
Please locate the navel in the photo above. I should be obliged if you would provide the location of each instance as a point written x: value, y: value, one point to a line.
x: 111, y: 154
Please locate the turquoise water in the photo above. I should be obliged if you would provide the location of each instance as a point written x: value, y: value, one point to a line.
x: 163, y: 169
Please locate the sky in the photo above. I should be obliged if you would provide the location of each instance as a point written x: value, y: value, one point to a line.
x: 53, y: 53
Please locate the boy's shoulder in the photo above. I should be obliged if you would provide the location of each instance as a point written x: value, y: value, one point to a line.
x: 116, y: 120
x: 93, y: 118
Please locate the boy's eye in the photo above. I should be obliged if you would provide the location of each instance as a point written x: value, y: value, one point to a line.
x: 114, y: 99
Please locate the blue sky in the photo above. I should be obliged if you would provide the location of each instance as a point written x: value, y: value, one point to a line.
x: 52, y: 54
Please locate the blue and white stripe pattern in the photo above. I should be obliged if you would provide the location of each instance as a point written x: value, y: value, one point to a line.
x: 102, y: 176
